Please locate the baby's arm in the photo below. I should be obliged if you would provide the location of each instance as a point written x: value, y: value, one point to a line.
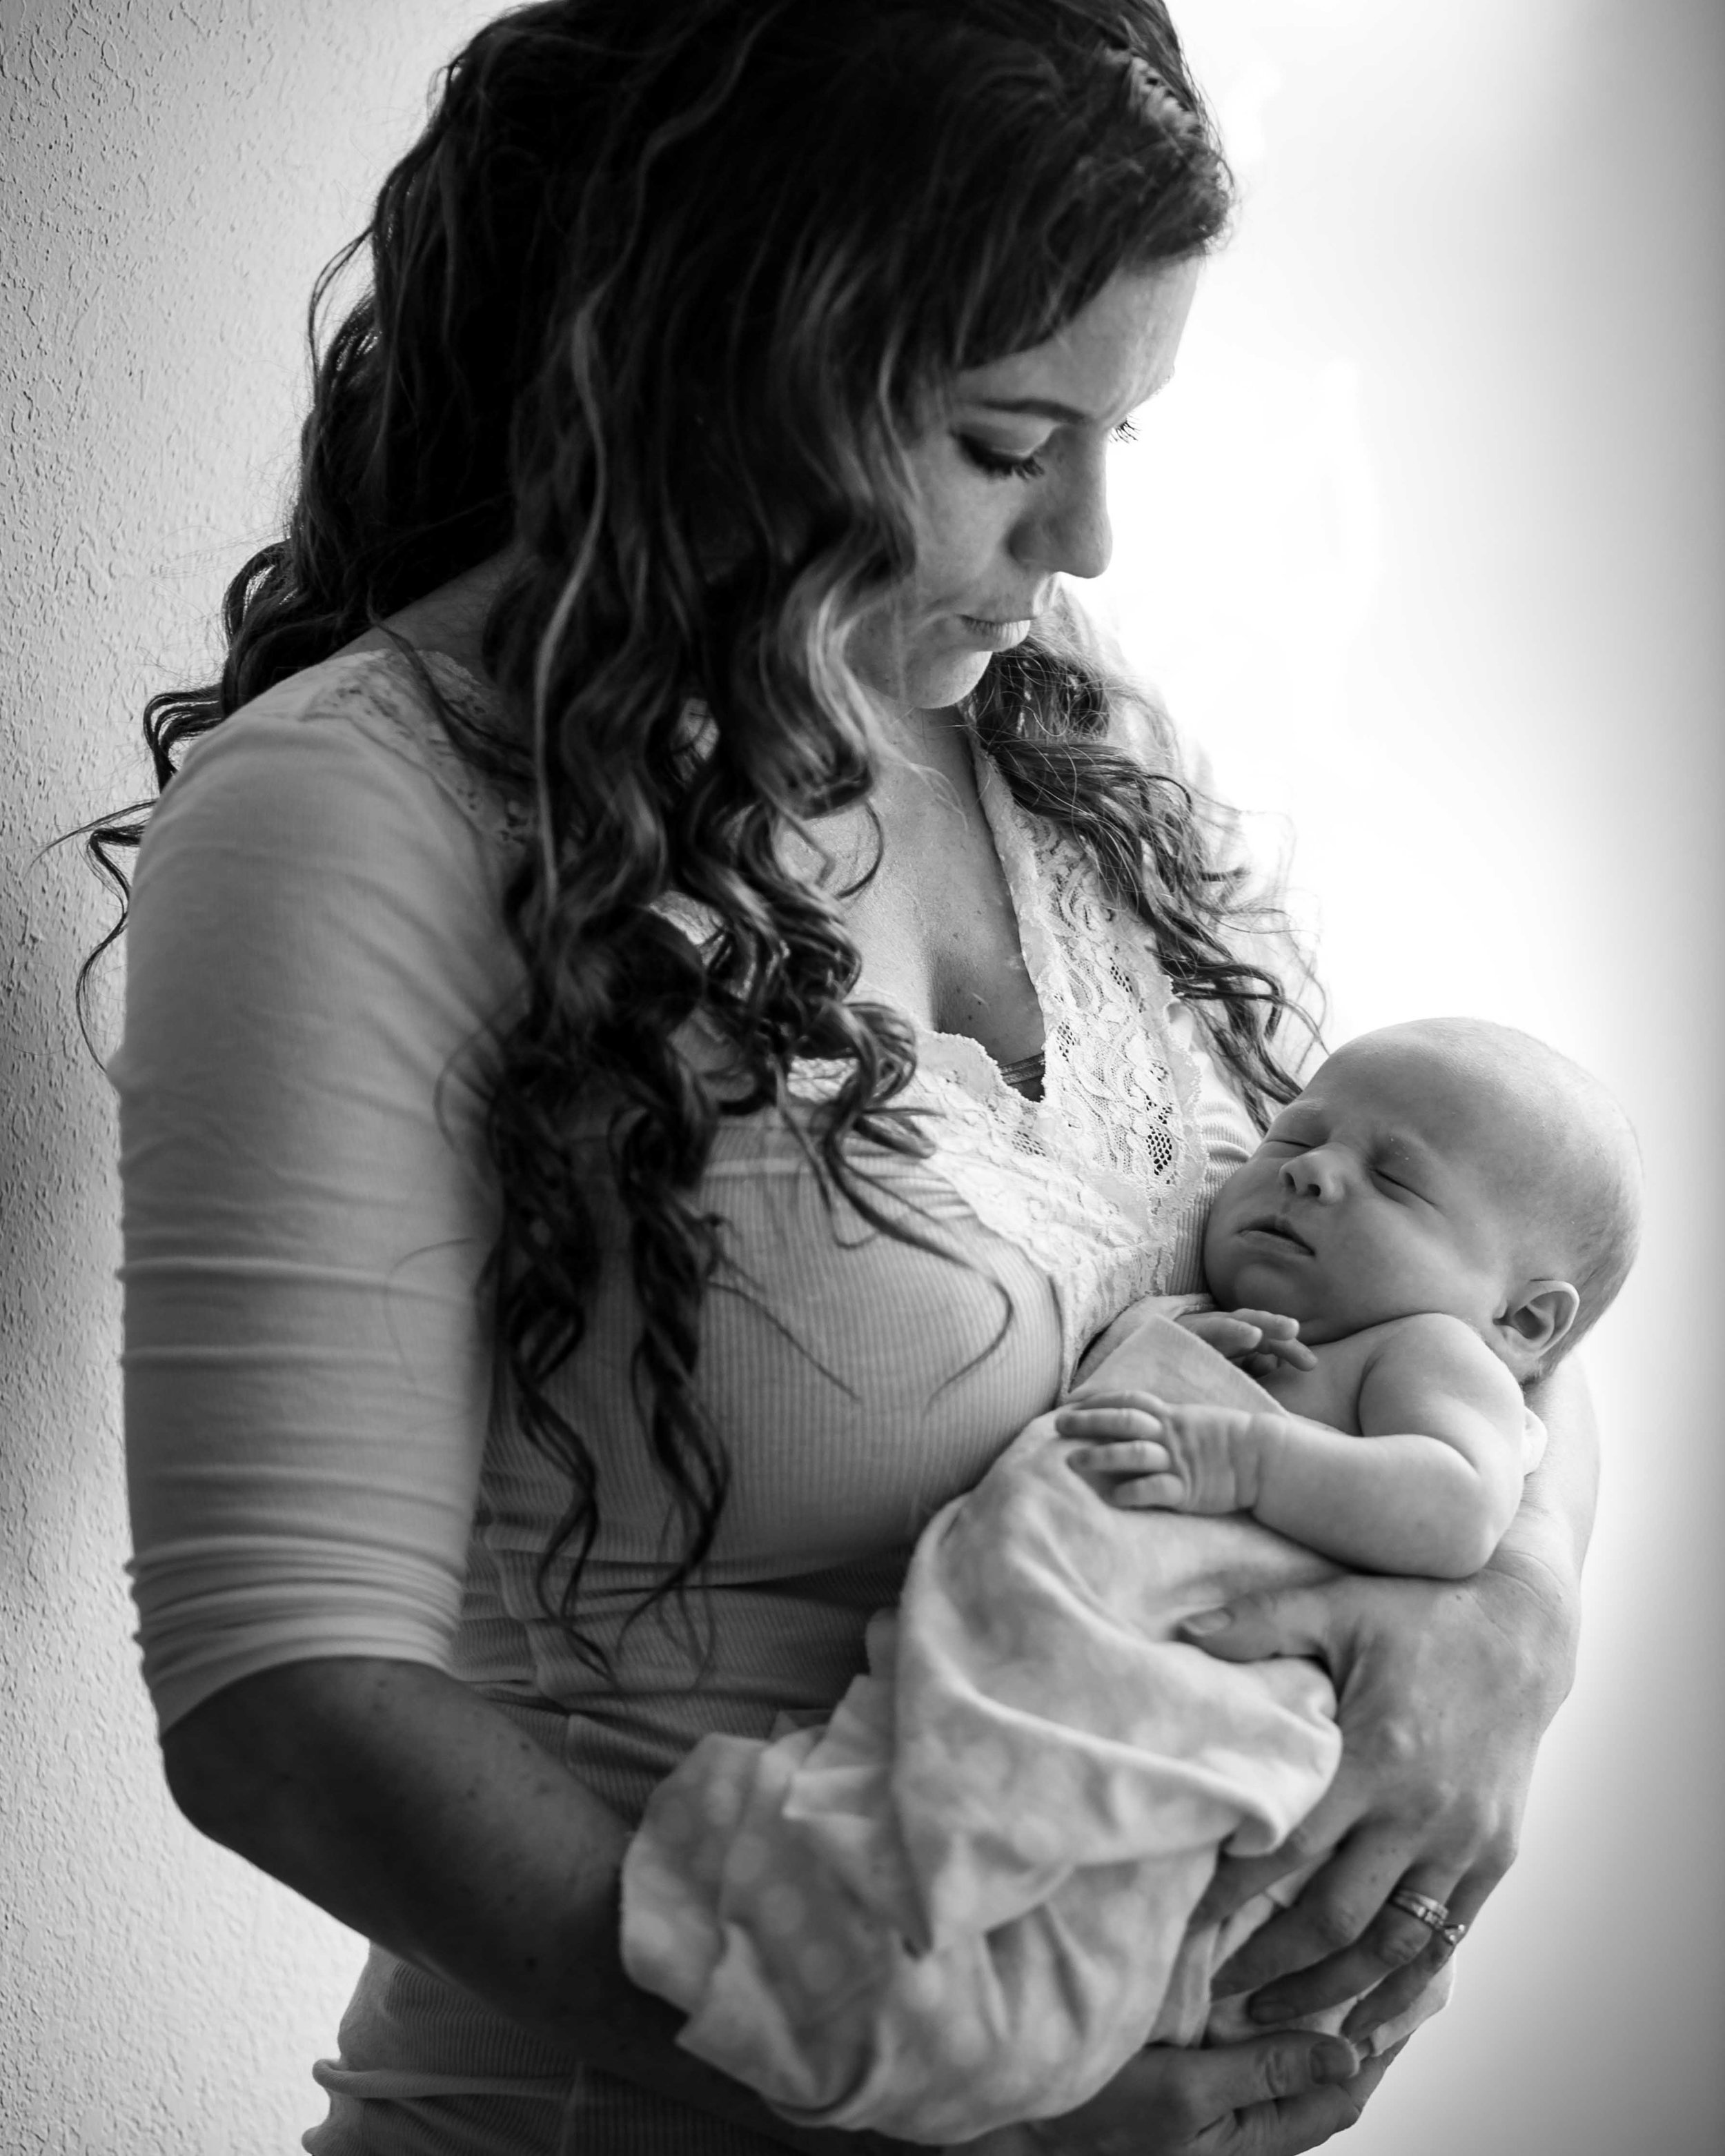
x: 1428, y: 1486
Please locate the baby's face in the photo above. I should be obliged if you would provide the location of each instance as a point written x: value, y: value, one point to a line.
x: 1385, y: 1189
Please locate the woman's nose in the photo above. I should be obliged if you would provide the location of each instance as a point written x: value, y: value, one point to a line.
x: 1069, y: 530
x: 1314, y: 1174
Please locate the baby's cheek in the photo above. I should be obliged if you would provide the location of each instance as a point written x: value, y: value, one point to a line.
x: 1215, y: 1258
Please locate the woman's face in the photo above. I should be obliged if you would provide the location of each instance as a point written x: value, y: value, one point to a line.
x: 1012, y: 488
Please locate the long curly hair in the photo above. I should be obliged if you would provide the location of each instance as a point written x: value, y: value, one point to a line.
x: 658, y: 301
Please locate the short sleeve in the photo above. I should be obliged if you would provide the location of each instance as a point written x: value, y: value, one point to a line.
x: 314, y: 963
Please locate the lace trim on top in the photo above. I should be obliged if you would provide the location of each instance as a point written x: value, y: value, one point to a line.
x: 382, y: 685
x: 1091, y: 1179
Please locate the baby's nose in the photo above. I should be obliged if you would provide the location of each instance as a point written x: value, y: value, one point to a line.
x: 1315, y: 1174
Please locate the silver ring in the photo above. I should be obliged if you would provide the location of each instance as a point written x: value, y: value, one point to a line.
x: 1434, y: 1914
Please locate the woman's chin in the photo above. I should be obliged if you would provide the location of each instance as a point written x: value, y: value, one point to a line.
x: 933, y: 683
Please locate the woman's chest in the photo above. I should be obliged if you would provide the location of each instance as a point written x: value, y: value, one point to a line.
x: 855, y: 1373
x: 937, y: 923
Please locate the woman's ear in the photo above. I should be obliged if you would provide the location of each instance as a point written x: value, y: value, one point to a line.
x: 1538, y: 1318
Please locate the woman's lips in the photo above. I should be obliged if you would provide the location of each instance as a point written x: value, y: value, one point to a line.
x: 995, y: 635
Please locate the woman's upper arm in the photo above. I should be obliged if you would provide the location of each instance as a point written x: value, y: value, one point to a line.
x: 306, y: 1209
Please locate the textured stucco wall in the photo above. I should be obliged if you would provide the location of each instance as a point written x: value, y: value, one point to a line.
x: 172, y: 173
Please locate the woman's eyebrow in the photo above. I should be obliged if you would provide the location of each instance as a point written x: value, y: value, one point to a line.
x: 1040, y: 407
x: 1064, y: 415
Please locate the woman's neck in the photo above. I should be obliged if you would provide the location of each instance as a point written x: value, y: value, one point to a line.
x: 450, y: 620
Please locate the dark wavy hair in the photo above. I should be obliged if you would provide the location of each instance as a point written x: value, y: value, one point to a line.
x: 659, y: 299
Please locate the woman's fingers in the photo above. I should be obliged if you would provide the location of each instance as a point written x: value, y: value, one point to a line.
x: 1340, y: 1939
x: 1397, y: 1993
x: 1401, y: 1987
x: 1273, y: 2096
x: 1284, y: 2126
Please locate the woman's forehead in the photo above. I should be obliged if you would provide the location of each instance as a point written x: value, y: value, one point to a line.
x: 1117, y: 351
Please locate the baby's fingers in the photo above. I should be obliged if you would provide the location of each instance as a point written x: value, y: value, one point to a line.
x: 1139, y: 1456
x: 1281, y: 1337
x: 1108, y: 1425
x: 1232, y: 1335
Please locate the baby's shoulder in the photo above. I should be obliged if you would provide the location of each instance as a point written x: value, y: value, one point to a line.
x: 1429, y: 1347
x: 1426, y: 1329
x: 1433, y: 1352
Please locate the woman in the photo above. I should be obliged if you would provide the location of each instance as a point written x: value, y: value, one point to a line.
x: 588, y: 1199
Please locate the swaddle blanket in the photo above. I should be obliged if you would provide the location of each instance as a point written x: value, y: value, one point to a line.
x: 963, y: 1900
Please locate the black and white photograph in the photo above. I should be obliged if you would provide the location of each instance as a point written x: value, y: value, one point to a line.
x: 861, y: 918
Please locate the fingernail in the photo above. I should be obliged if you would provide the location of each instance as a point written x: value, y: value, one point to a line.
x: 1266, y: 2008
x: 1207, y: 1621
x: 1334, y: 2062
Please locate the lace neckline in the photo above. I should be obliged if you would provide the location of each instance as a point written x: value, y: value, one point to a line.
x: 1093, y: 1174
x: 1090, y: 1174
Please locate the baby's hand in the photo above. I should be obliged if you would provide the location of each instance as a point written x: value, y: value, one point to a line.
x: 1259, y: 1340
x: 1139, y: 1453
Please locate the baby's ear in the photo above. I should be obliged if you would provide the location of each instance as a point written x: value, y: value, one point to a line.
x: 1538, y: 1319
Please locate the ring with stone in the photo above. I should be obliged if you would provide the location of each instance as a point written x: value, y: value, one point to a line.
x: 1434, y: 1914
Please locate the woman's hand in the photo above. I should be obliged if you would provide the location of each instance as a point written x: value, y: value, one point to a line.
x: 1273, y: 2096
x: 1445, y: 1690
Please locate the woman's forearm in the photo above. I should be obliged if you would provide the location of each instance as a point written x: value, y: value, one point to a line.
x: 409, y: 1809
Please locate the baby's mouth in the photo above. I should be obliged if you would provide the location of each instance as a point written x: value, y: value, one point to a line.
x: 1281, y: 1232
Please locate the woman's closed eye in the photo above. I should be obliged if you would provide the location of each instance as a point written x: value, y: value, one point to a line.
x: 1001, y: 464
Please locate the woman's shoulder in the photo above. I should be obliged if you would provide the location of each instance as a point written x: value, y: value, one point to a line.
x: 333, y: 814
x: 373, y: 719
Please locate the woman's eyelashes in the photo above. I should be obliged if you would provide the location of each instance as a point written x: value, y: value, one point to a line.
x: 998, y: 464
x: 1001, y: 464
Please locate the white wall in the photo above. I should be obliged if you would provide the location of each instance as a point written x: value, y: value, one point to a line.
x: 1426, y: 542
x: 173, y: 177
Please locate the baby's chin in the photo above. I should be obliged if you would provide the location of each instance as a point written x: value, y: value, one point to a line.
x: 1321, y: 1318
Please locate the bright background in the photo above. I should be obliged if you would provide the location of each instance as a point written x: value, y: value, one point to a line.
x: 1425, y: 544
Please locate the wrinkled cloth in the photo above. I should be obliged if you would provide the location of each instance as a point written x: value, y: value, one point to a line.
x: 963, y: 1900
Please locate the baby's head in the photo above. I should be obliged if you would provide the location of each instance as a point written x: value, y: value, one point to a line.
x: 1446, y: 1165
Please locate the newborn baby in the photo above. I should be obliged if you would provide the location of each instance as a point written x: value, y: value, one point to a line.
x: 1439, y: 1216
x: 965, y: 1898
